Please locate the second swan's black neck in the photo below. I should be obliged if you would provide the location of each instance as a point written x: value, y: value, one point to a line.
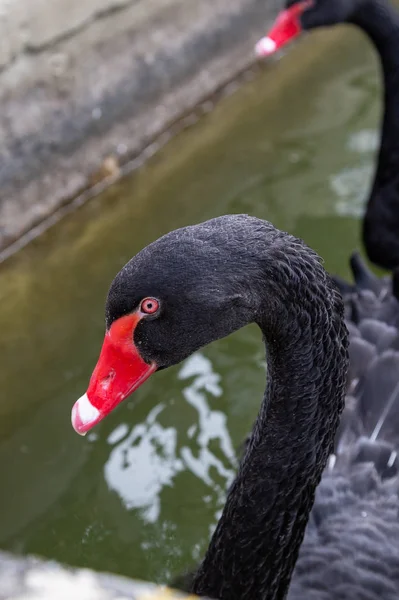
x: 380, y: 21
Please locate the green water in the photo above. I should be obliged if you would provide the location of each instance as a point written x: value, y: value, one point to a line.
x: 140, y: 495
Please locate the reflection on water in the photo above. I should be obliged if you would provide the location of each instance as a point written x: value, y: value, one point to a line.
x: 144, y: 461
x: 364, y: 141
x: 212, y: 425
x: 348, y: 184
x: 141, y: 493
x: 142, y: 464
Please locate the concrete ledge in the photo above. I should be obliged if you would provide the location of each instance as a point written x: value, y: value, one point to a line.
x: 87, y: 84
x: 34, y: 579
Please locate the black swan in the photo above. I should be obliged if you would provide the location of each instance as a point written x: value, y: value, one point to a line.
x: 200, y: 283
x: 380, y: 21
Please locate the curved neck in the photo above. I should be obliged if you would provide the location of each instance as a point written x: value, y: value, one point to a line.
x: 255, y: 546
x: 380, y: 22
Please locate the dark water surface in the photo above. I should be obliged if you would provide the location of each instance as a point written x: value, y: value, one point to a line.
x: 140, y: 495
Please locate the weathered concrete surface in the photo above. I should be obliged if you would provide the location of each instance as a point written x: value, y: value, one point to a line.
x: 88, y: 81
x: 33, y: 579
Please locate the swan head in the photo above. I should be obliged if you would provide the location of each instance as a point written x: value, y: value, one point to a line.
x: 187, y: 289
x: 303, y: 15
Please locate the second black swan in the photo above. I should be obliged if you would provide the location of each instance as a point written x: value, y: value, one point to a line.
x: 200, y: 283
x: 380, y: 22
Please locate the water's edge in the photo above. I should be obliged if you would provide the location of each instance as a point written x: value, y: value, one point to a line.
x: 31, y: 578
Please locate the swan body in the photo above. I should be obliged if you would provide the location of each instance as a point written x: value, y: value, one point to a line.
x: 351, y: 549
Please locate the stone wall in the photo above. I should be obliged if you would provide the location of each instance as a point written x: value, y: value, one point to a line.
x: 86, y: 83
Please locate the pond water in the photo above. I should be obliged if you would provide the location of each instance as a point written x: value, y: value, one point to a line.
x: 141, y: 494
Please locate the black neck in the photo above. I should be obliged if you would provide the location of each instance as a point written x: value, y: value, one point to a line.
x: 380, y: 22
x: 255, y: 546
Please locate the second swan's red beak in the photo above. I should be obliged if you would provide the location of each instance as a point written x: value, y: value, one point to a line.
x: 286, y: 27
x: 119, y: 371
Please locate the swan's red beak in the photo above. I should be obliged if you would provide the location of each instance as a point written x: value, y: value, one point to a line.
x: 119, y: 371
x: 286, y: 27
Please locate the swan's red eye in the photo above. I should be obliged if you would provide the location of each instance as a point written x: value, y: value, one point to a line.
x: 149, y: 306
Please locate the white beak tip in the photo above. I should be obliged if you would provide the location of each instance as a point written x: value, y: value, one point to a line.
x: 265, y: 46
x: 84, y: 415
